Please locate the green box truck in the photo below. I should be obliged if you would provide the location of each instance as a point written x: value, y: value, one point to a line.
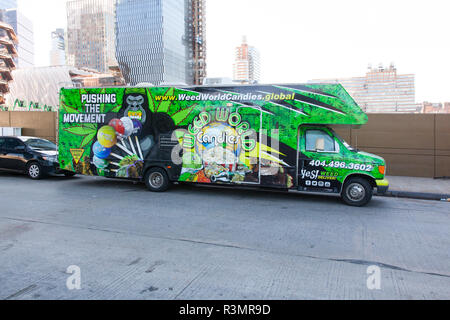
x: 274, y: 136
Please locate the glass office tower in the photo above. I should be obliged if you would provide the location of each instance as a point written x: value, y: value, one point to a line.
x: 149, y: 41
x: 23, y: 27
x: 58, y: 51
x: 24, y: 30
x: 8, y: 4
x: 90, y: 34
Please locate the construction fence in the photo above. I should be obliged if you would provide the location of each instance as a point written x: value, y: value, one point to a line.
x: 416, y: 145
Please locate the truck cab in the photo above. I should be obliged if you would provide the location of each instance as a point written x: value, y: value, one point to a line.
x: 328, y: 164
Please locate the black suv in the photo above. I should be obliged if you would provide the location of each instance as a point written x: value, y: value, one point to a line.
x: 34, y: 156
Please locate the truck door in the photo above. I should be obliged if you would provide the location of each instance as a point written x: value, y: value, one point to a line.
x: 319, y: 160
x: 249, y: 158
x: 233, y: 154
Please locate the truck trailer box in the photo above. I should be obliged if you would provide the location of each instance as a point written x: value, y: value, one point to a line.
x: 276, y: 136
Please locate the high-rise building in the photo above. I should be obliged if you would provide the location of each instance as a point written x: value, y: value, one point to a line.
x: 8, y: 51
x: 246, y: 68
x: 430, y: 107
x: 91, y: 35
x: 25, y: 33
x: 380, y: 90
x: 23, y: 27
x: 8, y: 4
x: 195, y: 39
x: 58, y: 53
x: 218, y: 81
x: 149, y: 35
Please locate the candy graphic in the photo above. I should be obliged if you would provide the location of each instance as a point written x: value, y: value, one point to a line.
x: 117, y: 125
x: 106, y: 136
x: 100, y: 151
x: 217, y: 135
x: 128, y: 125
x: 99, y: 163
x: 137, y: 125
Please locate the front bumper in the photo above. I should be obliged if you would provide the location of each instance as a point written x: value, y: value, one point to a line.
x: 382, y: 185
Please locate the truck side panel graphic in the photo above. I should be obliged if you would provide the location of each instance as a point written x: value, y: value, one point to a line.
x: 225, y: 134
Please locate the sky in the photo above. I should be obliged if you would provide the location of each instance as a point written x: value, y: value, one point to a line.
x: 302, y: 40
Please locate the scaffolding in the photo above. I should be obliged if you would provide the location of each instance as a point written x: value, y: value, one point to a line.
x: 196, y: 42
x: 8, y: 51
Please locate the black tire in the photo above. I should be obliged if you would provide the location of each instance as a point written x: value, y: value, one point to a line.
x: 69, y: 174
x: 157, y: 180
x: 357, y: 192
x: 34, y: 171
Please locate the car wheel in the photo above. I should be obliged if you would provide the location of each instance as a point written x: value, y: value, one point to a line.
x: 156, y: 180
x: 357, y: 192
x: 34, y: 171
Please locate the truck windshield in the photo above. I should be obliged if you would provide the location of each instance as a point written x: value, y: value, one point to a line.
x: 349, y: 147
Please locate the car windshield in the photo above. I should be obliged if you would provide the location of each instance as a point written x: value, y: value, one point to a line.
x: 41, y: 144
x: 349, y: 147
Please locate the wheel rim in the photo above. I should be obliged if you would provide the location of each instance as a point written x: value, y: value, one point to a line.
x: 34, y: 171
x: 156, y: 179
x: 356, y: 192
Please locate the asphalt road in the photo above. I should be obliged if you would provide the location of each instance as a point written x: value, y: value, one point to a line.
x: 214, y: 243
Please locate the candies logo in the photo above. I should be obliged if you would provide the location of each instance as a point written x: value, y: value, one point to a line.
x: 222, y: 128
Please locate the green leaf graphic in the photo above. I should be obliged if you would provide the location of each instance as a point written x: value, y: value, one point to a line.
x: 151, y: 102
x: 182, y: 114
x: 70, y: 109
x: 164, y: 105
x: 87, y: 139
x: 91, y: 126
x: 78, y: 130
x: 116, y: 108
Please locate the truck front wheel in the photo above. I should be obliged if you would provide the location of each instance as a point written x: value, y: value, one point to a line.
x: 357, y: 192
x: 156, y: 180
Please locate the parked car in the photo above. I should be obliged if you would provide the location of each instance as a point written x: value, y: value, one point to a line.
x: 31, y: 155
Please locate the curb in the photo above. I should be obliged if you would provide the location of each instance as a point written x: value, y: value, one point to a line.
x: 416, y: 195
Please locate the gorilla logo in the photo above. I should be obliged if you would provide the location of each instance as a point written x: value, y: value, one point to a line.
x: 135, y: 109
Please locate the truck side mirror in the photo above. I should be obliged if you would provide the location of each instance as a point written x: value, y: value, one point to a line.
x: 20, y: 148
x: 320, y: 144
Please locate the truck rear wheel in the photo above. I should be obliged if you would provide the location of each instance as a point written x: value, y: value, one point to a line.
x: 357, y: 192
x: 156, y: 180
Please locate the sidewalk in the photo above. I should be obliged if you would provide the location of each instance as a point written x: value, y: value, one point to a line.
x: 419, y: 188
